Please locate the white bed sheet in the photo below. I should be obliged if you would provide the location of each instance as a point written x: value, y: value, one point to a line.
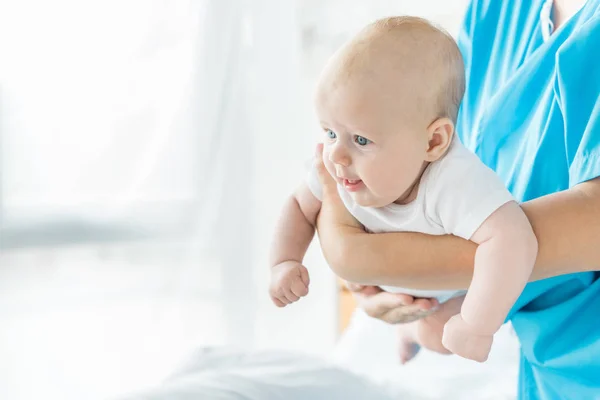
x: 368, y: 347
x: 229, y: 374
x: 364, y: 366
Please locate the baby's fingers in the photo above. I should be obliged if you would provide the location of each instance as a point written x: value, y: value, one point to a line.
x: 304, y: 276
x: 299, y: 288
x: 278, y: 302
x: 289, y: 295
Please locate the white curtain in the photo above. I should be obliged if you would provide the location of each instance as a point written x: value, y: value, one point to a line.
x: 145, y: 147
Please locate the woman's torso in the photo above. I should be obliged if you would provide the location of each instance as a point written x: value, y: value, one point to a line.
x: 531, y: 113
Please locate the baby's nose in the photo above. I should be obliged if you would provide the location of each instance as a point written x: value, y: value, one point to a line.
x: 340, y: 156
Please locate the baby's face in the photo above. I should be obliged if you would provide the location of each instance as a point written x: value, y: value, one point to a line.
x: 373, y: 151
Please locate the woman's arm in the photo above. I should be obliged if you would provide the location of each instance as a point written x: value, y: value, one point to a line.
x: 567, y: 226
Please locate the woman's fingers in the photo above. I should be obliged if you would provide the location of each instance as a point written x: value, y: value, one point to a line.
x: 328, y: 183
x: 405, y: 314
x: 406, y: 299
x: 381, y: 303
x: 363, y: 290
x: 333, y: 213
x: 426, y: 304
x: 420, y: 308
x: 354, y: 287
x: 394, y: 308
x: 332, y: 205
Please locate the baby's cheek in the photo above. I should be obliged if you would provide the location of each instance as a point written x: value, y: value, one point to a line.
x: 383, y: 189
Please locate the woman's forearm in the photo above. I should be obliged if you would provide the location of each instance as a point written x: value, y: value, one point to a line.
x: 405, y: 259
x: 567, y: 226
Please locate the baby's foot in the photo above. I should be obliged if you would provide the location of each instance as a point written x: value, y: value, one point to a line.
x: 407, y: 350
x: 461, y: 339
x: 407, y: 345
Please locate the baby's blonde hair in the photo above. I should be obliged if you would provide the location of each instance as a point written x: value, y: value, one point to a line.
x: 416, y: 47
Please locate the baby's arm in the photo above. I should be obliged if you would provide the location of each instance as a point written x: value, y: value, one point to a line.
x: 293, y: 234
x: 503, y: 263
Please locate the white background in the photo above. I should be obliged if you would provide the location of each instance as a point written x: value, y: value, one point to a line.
x: 145, y: 149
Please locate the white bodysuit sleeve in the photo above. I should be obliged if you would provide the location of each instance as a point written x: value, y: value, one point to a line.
x: 463, y: 192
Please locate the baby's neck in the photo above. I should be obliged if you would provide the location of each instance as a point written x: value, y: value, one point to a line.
x: 412, y: 192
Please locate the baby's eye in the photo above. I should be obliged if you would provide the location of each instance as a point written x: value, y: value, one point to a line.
x: 331, y: 134
x: 362, y: 141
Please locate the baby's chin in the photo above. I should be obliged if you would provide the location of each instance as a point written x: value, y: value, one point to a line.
x: 368, y: 200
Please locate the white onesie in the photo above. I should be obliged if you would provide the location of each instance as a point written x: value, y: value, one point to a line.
x: 457, y: 193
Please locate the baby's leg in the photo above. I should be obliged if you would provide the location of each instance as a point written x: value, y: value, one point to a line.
x: 407, y: 341
x: 427, y: 332
x: 431, y: 328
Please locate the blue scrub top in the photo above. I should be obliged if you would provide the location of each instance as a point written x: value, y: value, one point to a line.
x: 531, y: 112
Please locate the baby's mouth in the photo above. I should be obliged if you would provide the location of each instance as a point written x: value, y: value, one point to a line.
x: 352, y: 185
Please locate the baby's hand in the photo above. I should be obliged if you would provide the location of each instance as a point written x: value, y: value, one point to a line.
x: 289, y: 282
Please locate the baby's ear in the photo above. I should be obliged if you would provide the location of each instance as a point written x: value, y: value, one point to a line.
x: 439, y: 135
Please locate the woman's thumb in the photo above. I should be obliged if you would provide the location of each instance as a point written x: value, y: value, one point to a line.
x: 325, y: 177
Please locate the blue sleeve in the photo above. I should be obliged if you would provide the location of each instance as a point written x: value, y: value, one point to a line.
x: 577, y: 88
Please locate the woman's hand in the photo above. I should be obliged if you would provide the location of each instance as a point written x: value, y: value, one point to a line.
x: 393, y: 308
x: 332, y: 208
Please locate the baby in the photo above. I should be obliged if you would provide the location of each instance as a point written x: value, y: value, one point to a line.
x: 387, y: 102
